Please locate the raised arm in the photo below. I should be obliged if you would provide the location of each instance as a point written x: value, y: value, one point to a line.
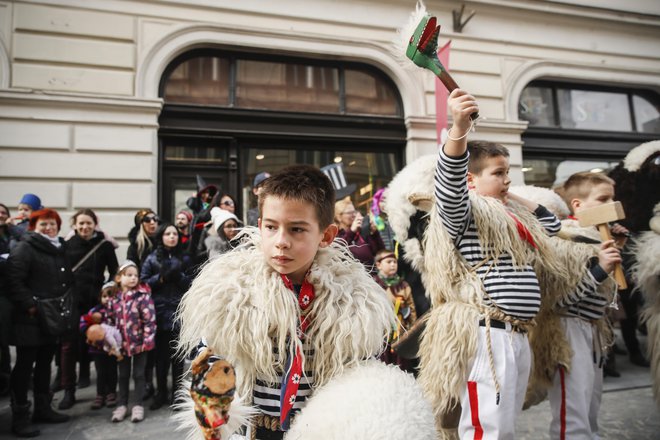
x: 451, y: 192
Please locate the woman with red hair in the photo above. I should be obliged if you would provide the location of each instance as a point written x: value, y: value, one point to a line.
x: 37, y: 268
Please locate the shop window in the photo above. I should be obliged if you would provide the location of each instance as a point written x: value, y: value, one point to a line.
x: 289, y: 87
x: 212, y: 78
x: 578, y: 107
x: 202, y: 80
x: 553, y: 172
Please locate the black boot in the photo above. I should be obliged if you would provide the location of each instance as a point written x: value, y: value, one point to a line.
x: 148, y: 390
x: 160, y: 399
x: 20, y: 421
x: 68, y: 400
x: 43, y: 413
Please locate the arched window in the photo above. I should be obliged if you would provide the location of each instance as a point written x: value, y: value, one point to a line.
x: 288, y: 85
x: 579, y: 127
x: 228, y: 116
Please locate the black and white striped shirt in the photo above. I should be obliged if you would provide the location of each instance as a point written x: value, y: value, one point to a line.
x: 585, y: 302
x: 515, y: 291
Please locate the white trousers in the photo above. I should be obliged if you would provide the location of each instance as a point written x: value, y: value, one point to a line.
x: 482, y: 417
x: 575, y: 397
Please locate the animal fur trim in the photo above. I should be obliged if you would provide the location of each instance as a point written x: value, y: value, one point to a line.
x: 545, y: 197
x: 369, y: 401
x: 240, y: 305
x: 636, y: 157
x: 646, y: 271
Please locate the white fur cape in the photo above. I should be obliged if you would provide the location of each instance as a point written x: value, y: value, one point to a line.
x: 240, y: 305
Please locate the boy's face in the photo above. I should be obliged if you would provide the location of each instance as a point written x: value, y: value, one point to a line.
x: 493, y: 180
x: 387, y: 266
x: 600, y: 194
x: 24, y: 210
x: 291, y: 236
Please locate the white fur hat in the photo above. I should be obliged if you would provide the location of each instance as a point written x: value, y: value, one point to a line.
x: 219, y: 216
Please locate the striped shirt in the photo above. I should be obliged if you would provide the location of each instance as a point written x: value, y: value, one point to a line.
x: 585, y: 302
x: 515, y: 291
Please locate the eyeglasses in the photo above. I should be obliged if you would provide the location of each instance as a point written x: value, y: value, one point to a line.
x: 150, y: 218
x: 228, y: 203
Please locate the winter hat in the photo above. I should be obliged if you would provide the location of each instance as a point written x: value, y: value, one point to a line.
x: 32, y: 200
x: 259, y: 178
x: 141, y: 214
x: 220, y: 216
x: 188, y: 214
x: 125, y: 265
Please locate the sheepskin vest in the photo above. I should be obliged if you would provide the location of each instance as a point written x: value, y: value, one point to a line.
x: 240, y: 305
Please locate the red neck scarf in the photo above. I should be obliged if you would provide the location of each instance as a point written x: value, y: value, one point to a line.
x: 293, y: 371
x: 523, y: 231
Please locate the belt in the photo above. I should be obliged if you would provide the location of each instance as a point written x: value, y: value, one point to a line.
x: 267, y: 434
x: 496, y: 323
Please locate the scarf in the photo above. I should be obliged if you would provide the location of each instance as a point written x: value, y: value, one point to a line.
x: 293, y: 370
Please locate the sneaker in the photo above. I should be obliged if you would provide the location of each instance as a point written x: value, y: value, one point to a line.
x: 119, y: 413
x: 137, y: 414
x: 98, y: 402
x: 111, y: 400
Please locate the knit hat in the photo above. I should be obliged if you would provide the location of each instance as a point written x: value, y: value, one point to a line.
x: 141, y: 214
x: 32, y: 200
x: 188, y: 214
x: 220, y: 216
x: 259, y: 178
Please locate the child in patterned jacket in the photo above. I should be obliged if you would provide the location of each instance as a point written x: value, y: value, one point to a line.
x: 132, y: 311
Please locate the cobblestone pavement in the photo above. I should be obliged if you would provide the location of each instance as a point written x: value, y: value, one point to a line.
x: 627, y: 412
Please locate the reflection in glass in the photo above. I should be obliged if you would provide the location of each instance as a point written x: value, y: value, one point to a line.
x: 202, y: 80
x: 647, y: 115
x: 291, y: 87
x: 591, y: 110
x: 552, y: 173
x: 368, y: 94
x: 195, y: 153
x: 537, y: 107
x: 369, y: 171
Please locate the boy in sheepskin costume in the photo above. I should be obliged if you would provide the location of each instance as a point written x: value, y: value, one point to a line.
x: 577, y: 385
x: 485, y: 257
x: 286, y: 315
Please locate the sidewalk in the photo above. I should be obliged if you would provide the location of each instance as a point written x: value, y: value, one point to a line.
x: 628, y: 412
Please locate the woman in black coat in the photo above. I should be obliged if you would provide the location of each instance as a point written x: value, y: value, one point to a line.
x: 37, y: 268
x: 89, y: 278
x: 166, y: 272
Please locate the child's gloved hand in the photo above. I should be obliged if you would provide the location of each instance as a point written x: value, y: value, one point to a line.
x: 212, y: 389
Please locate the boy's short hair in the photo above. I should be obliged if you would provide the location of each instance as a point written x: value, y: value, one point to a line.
x: 384, y: 253
x: 482, y: 150
x: 305, y: 183
x: 579, y: 185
